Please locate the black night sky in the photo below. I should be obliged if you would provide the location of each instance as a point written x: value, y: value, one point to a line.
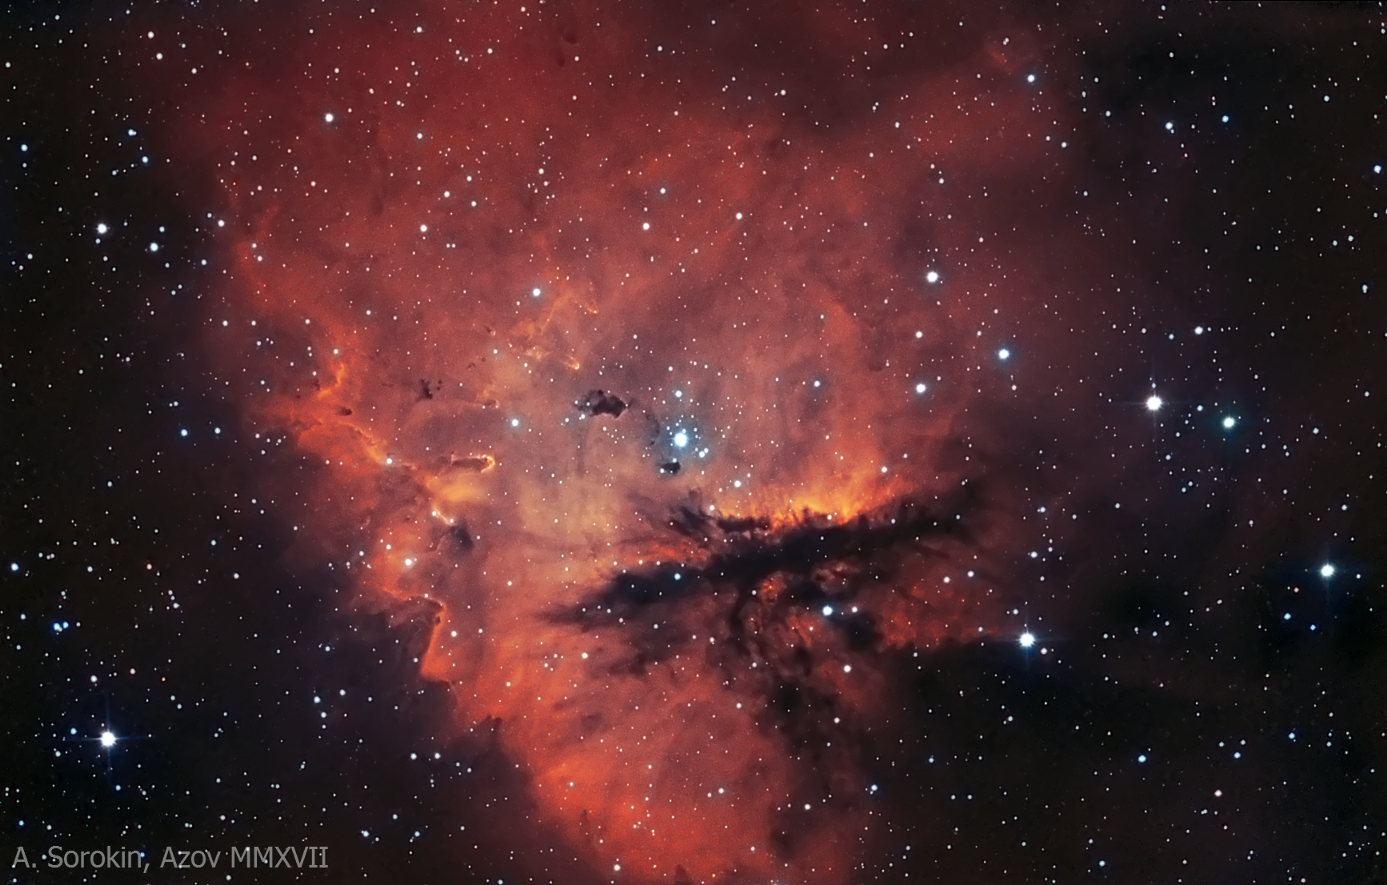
x: 815, y: 443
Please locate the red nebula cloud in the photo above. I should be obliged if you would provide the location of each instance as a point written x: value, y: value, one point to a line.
x: 445, y: 232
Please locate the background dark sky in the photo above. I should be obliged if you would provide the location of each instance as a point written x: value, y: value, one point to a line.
x: 629, y: 442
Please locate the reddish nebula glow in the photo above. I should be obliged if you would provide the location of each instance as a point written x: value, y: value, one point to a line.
x: 644, y: 372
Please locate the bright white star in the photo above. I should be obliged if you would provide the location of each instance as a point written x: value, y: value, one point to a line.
x: 1027, y: 640
x: 108, y: 739
x: 1154, y: 402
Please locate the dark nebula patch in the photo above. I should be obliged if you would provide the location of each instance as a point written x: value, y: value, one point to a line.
x: 598, y: 402
x: 460, y: 538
